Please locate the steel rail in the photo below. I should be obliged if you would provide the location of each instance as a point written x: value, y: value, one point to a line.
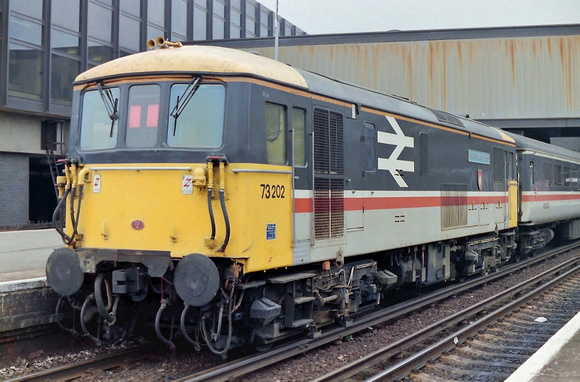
x: 77, y: 369
x: 405, y: 367
x: 246, y: 365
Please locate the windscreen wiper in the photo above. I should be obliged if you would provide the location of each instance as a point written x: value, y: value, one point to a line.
x: 110, y: 104
x: 183, y: 100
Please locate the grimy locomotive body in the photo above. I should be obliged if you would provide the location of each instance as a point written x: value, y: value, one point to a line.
x: 247, y: 200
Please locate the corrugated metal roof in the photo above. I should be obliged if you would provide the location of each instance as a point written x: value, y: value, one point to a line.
x: 490, y: 74
x: 531, y: 77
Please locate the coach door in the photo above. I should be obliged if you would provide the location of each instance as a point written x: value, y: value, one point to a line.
x: 505, y: 172
x: 512, y: 186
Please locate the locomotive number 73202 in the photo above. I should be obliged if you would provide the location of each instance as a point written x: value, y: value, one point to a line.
x: 273, y: 191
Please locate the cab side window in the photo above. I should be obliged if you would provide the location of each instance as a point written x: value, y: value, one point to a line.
x: 298, y: 128
x: 275, y: 133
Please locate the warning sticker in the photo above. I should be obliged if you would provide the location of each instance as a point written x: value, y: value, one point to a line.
x: 271, y: 231
x: 97, y: 184
x: 187, y: 184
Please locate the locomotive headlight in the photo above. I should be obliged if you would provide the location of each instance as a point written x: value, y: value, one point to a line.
x: 200, y: 177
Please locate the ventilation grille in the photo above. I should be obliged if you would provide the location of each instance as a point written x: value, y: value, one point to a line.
x: 328, y: 142
x: 328, y: 208
x: 446, y: 117
x: 453, y: 206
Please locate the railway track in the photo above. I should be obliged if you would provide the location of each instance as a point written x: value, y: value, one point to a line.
x: 79, y: 369
x: 246, y: 365
x: 250, y: 364
x: 489, y: 348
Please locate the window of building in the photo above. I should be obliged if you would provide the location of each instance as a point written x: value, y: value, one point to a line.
x: 62, y: 74
x: 129, y: 33
x: 199, y: 22
x: 66, y: 14
x: 25, y: 30
x: 178, y: 20
x: 31, y: 8
x: 143, y: 116
x: 99, y: 53
x: 155, y: 18
x: 275, y: 133
x: 219, y: 20
x: 199, y: 122
x: 98, y: 130
x: 264, y: 22
x: 25, y: 68
x: 100, y: 33
x: 299, y: 134
x: 65, y: 50
x: 131, y: 7
x: 100, y: 22
x: 235, y: 23
x: 250, y: 20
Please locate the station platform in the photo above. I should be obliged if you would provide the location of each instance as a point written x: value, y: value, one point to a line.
x: 23, y: 254
x: 558, y: 360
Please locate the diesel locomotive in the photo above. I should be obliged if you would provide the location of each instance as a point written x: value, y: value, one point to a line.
x: 242, y: 200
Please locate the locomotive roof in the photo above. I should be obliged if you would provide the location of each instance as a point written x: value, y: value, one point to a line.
x: 187, y: 59
x: 219, y: 60
x: 529, y: 144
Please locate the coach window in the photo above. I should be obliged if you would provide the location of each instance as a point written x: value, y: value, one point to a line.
x: 566, y: 176
x: 511, y: 174
x: 574, y: 177
x: 369, y: 138
x: 275, y: 133
x: 298, y: 131
x: 557, y: 175
x: 143, y: 116
x: 98, y: 122
x: 547, y: 171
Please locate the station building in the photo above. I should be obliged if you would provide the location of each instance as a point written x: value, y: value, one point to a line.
x: 44, y: 44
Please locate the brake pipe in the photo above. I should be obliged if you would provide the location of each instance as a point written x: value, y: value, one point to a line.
x: 98, y: 296
x: 209, y: 192
x: 223, y: 204
x: 195, y: 344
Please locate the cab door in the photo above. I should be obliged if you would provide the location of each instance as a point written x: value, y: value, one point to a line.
x: 301, y: 149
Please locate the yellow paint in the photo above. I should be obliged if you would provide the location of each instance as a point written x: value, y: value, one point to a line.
x: 513, y: 203
x: 179, y: 222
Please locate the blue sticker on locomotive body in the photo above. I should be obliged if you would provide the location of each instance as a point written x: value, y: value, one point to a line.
x: 271, y: 231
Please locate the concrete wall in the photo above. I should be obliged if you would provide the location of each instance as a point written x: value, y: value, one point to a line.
x: 20, y: 133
